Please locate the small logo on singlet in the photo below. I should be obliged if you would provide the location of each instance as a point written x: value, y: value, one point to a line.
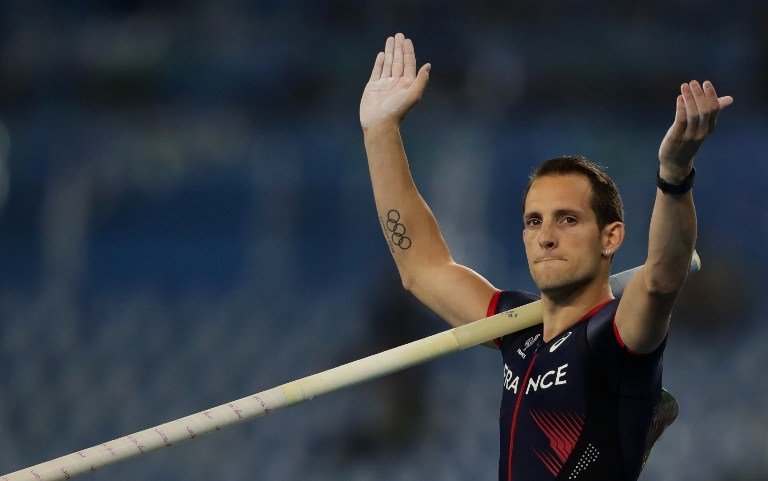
x: 528, y: 344
x: 531, y: 340
x: 559, y: 342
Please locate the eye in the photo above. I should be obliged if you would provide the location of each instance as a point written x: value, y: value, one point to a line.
x: 569, y: 219
x: 532, y: 222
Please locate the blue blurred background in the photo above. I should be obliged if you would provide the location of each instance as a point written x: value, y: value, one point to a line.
x: 186, y: 218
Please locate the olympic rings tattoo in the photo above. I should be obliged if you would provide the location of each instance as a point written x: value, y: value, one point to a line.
x: 397, y: 229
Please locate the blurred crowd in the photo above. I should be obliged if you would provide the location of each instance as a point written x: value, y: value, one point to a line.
x: 186, y: 218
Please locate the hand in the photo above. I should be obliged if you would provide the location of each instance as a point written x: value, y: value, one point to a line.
x: 394, y: 87
x: 697, y: 110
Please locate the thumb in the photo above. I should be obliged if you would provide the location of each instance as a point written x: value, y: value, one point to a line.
x: 420, y: 84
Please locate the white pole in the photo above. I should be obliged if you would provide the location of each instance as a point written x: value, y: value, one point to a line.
x: 294, y: 392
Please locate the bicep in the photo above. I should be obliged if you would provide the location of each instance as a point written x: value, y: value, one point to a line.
x: 454, y: 292
x: 642, y: 317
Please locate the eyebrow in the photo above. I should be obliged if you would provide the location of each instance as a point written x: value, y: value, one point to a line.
x: 558, y: 213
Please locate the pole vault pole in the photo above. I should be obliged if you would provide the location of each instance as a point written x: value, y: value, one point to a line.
x: 294, y: 392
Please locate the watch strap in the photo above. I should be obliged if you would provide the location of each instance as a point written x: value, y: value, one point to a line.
x: 676, y: 189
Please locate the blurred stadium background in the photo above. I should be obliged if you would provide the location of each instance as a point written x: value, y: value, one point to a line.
x: 187, y: 219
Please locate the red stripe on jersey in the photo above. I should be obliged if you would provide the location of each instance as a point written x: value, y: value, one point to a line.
x: 594, y: 310
x: 563, y: 431
x: 492, y: 310
x: 621, y: 341
x: 493, y: 304
x: 549, y: 462
x: 514, y: 416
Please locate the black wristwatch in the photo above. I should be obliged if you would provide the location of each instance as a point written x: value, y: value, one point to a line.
x: 676, y: 189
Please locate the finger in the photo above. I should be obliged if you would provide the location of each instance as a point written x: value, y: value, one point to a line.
x: 725, y: 101
x: 677, y: 129
x: 691, y: 112
x: 389, y: 51
x: 704, y: 109
x: 418, y: 86
x: 378, y: 65
x: 712, y: 100
x: 713, y: 103
x: 722, y: 102
x: 718, y: 103
x: 397, y: 61
x: 409, y: 59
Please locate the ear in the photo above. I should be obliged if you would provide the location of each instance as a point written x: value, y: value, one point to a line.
x: 612, y: 236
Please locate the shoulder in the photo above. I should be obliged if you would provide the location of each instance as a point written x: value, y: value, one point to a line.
x: 628, y: 373
x: 602, y: 330
x: 506, y: 300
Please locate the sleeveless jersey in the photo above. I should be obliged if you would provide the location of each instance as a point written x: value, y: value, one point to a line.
x: 577, y: 407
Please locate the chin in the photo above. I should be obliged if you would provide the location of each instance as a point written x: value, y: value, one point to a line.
x: 560, y: 285
x: 548, y: 281
x: 545, y: 277
x: 551, y: 287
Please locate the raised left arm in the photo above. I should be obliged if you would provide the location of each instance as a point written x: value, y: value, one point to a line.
x: 644, y: 311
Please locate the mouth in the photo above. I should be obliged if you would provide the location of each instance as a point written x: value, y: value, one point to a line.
x: 547, y: 259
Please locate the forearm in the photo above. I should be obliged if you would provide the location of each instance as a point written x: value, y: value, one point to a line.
x: 455, y: 293
x: 672, y: 236
x: 410, y: 228
x: 644, y: 311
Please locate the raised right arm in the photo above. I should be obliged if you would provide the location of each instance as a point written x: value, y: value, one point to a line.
x: 456, y: 293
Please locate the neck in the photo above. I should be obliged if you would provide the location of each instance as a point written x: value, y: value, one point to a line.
x: 562, y: 310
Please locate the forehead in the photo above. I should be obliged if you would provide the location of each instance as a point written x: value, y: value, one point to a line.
x: 559, y: 192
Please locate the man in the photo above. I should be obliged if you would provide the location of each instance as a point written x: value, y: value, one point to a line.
x: 580, y: 389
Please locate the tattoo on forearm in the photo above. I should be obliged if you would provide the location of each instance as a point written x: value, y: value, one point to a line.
x: 395, y: 231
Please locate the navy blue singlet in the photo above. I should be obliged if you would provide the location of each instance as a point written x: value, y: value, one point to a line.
x: 577, y: 407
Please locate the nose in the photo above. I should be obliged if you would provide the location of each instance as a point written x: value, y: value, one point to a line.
x: 546, y: 237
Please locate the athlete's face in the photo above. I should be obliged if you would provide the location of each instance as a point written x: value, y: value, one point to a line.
x: 562, y: 241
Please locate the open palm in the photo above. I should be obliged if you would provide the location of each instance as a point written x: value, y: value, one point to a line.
x: 394, y: 86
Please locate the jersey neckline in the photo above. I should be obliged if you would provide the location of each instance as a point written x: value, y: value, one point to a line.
x: 583, y: 319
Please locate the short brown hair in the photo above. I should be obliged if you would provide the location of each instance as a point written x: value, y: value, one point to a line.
x: 606, y: 200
